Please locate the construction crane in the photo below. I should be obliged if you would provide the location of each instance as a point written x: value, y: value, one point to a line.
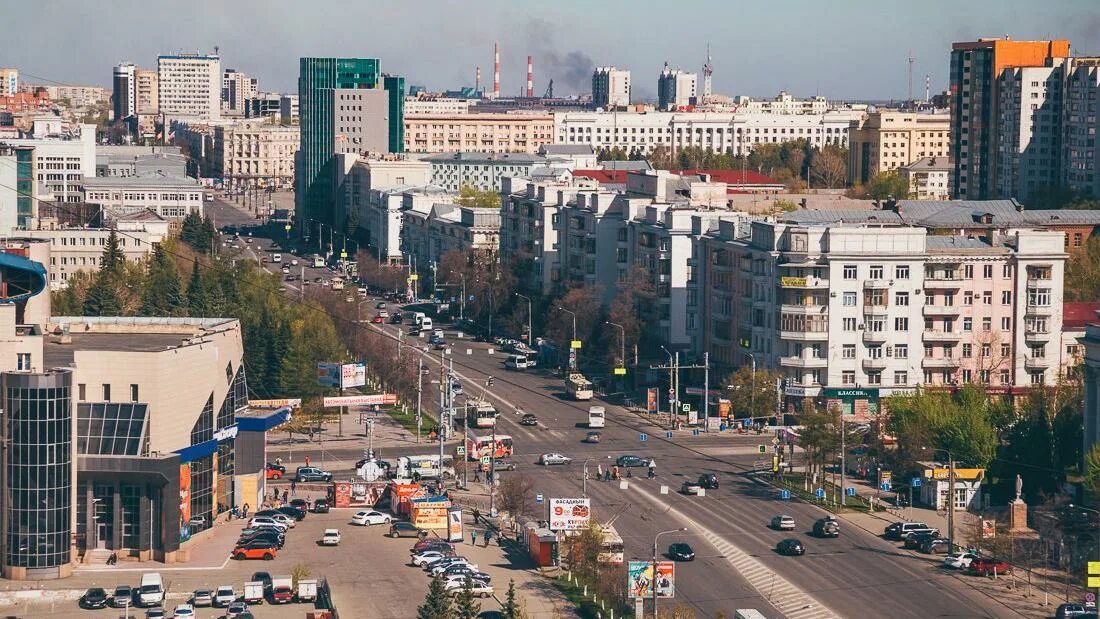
x: 549, y: 94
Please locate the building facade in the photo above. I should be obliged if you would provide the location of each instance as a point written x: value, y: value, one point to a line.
x: 429, y: 231
x: 81, y: 249
x: 237, y: 89
x: 436, y: 105
x: 171, y: 198
x: 255, y: 153
x: 675, y: 88
x: 9, y: 81
x: 79, y: 96
x: 123, y: 101
x: 376, y: 191
x: 888, y: 140
x: 190, y: 86
x: 263, y: 105
x: 929, y: 178
x: 510, y: 132
x: 1029, y: 128
x: 146, y: 91
x: 64, y: 156
x: 1081, y: 102
x: 478, y: 170
x: 288, y: 109
x: 610, y: 87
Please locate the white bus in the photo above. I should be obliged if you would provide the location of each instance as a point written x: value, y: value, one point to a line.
x: 481, y: 415
x: 478, y: 447
x: 424, y: 467
x: 578, y: 387
x: 611, y: 548
x: 596, y: 416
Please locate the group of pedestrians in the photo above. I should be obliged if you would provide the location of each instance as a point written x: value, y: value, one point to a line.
x: 612, y: 472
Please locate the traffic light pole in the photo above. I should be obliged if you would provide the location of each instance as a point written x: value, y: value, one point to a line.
x: 674, y: 386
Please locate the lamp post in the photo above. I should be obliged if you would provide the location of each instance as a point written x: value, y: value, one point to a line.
x: 572, y: 351
x: 752, y: 391
x: 622, y: 340
x: 674, y: 392
x: 1089, y: 509
x: 530, y: 321
x: 653, y: 583
x: 584, y: 478
x: 950, y: 496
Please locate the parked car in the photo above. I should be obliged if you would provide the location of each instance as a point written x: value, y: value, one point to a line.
x: 459, y: 573
x: 331, y: 537
x: 224, y: 596
x: 202, y: 597
x: 790, y: 547
x: 458, y: 563
x: 423, y: 559
x: 913, y: 541
x: 268, y: 535
x: 592, y: 437
x: 294, y: 513
x: 263, y: 577
x: 277, y: 516
x: 320, y: 506
x: 783, y: 523
x: 988, y: 567
x: 255, y: 550
x: 632, y: 461
x: 827, y: 527
x: 123, y: 597
x: 898, y: 530
x: 156, y: 613
x: 301, y: 504
x: 529, y: 419
x: 1075, y: 611
x: 96, y: 597
x: 430, y: 544
x: 237, y: 610
x: 479, y: 588
x: 681, y: 551
x: 959, y: 560
x: 406, y: 529
x: 184, y: 611
x: 935, y: 546
x: 312, y: 473
x: 367, y: 518
x: 548, y: 459
x: 275, y: 471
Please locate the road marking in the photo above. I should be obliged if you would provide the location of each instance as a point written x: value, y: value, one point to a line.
x: 788, y: 599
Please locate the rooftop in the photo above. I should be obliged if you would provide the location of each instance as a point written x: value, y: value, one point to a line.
x: 145, y: 180
x: 567, y: 149
x: 468, y: 157
x: 1075, y: 315
x: 930, y: 163
x: 122, y: 334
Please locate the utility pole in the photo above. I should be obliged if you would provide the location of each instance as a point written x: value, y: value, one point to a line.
x: 444, y: 390
x: 530, y: 321
x: 493, y: 474
x: 951, y: 502
x: 843, y: 469
x: 706, y: 392
x: 674, y: 371
x: 419, y: 388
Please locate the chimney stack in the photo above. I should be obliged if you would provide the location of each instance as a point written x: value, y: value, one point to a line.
x: 496, y: 70
x: 530, y: 78
x: 477, y: 80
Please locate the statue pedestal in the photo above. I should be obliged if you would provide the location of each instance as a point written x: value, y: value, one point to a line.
x: 1017, y: 516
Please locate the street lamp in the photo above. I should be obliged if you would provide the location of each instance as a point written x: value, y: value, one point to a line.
x: 752, y: 390
x: 1088, y: 509
x: 530, y: 321
x: 950, y: 495
x: 622, y: 340
x: 572, y: 353
x: 653, y: 583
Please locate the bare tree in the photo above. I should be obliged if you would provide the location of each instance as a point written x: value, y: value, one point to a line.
x: 829, y: 167
x: 515, y: 493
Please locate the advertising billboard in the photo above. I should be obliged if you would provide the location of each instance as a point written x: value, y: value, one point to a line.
x: 342, y: 375
x: 361, y: 400
x: 569, y: 514
x: 639, y: 583
x: 651, y: 400
x: 429, y: 513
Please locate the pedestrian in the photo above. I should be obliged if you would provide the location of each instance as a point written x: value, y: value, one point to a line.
x: 294, y: 487
x: 477, y: 515
x: 488, y: 537
x: 615, y: 472
x: 285, y: 495
x: 307, y: 460
x: 652, y: 468
x: 607, y: 475
x: 473, y: 537
x: 246, y: 507
x: 599, y: 471
x: 477, y: 475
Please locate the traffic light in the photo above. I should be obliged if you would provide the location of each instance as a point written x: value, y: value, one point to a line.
x: 762, y: 449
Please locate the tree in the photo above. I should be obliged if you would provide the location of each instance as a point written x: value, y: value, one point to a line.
x: 103, y: 296
x: 887, y: 185
x: 478, y: 198
x: 583, y: 301
x: 960, y: 422
x: 162, y: 295
x: 1092, y: 473
x: 515, y: 493
x: 196, y: 292
x: 465, y: 605
x: 1082, y: 279
x: 510, y: 609
x: 113, y: 258
x: 829, y: 166
x: 753, y: 396
x: 191, y: 230
x: 437, y: 604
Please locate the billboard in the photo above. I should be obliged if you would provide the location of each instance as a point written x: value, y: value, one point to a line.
x: 342, y: 375
x: 569, y: 514
x: 279, y: 403
x: 361, y: 400
x: 639, y: 583
x: 651, y: 400
x: 185, y: 495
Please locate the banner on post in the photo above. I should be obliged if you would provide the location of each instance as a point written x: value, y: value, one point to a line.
x: 376, y: 399
x: 640, y: 579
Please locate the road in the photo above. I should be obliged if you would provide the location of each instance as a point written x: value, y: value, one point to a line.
x: 736, y: 566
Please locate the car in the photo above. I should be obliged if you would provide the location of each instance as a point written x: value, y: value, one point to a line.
x: 681, y: 552
x: 396, y: 318
x: 414, y: 331
x: 377, y: 320
x: 224, y: 596
x: 450, y: 566
x: 548, y: 459
x: 1065, y: 611
x: 460, y: 573
x: 278, y: 517
x: 988, y: 567
x: 294, y: 262
x: 631, y: 461
x: 321, y: 506
x: 439, y: 345
x: 790, y: 547
x: 430, y: 544
x: 383, y: 313
x: 423, y: 559
x: 202, y: 597
x: 268, y: 535
x: 959, y: 560
x: 96, y: 597
x: 272, y: 466
x: 301, y: 504
x: 255, y: 550
x: 480, y: 589
x: 456, y: 387
x: 123, y: 597
x: 913, y: 541
x: 312, y: 473
x: 367, y: 518
x: 331, y: 537
x: 708, y: 481
x: 690, y: 487
x: 783, y: 523
x: 935, y: 546
x: 827, y: 527
x: 236, y: 610
x: 184, y: 611
x: 294, y: 513
x: 529, y: 419
x: 156, y: 613
x: 380, y: 305
x: 406, y: 529
x: 592, y: 437
x: 898, y: 530
x: 286, y: 270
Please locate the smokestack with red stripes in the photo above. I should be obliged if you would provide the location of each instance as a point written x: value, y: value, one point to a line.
x: 496, y: 70
x: 477, y: 81
x: 530, y: 78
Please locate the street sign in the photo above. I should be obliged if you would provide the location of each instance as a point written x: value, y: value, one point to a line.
x: 452, y: 299
x: 785, y: 494
x: 668, y: 435
x: 460, y: 450
x: 695, y: 431
x: 575, y: 344
x: 850, y: 491
x: 885, y: 486
x: 620, y: 371
x: 685, y: 407
x: 819, y: 493
x: 538, y: 498
x: 762, y: 449
x: 916, y: 482
x: 486, y: 460
x: 643, y: 437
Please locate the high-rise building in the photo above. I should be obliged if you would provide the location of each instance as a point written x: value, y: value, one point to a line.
x: 237, y: 89
x: 1081, y: 109
x: 610, y: 87
x: 9, y: 82
x: 1029, y: 128
x: 123, y: 91
x: 190, y: 85
x: 888, y: 140
x: 321, y: 83
x: 975, y: 69
x: 146, y: 91
x: 675, y: 88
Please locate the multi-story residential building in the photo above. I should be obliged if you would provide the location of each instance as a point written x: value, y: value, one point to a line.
x: 432, y: 104
x: 508, y: 132
x: 189, y: 86
x: 170, y: 197
x: 9, y: 81
x: 115, y: 160
x: 610, y: 87
x: 18, y: 188
x: 1029, y: 128
x: 237, y: 89
x: 715, y: 131
x: 431, y: 230
x: 319, y: 82
x: 675, y: 88
x: 263, y: 105
x: 377, y: 190
x: 975, y: 69
x: 288, y: 109
x: 888, y: 140
x: 929, y: 178
x: 854, y: 313
x: 81, y: 249
x: 122, y: 98
x: 783, y: 103
x: 483, y: 171
x: 1081, y: 101
x: 64, y: 156
x: 79, y: 96
x: 146, y: 91
x: 255, y: 153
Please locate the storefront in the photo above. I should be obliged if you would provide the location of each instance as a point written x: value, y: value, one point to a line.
x: 936, y: 485
x: 858, y: 403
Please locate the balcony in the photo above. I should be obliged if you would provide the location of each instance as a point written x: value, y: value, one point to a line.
x: 941, y: 336
x: 1033, y: 335
x: 876, y: 283
x: 803, y: 309
x: 1036, y: 363
x: 874, y: 336
x: 941, y: 281
x: 875, y: 310
x: 1039, y: 310
x: 804, y: 336
x: 940, y: 362
x: 874, y: 365
x: 803, y: 283
x: 941, y: 310
x: 803, y: 362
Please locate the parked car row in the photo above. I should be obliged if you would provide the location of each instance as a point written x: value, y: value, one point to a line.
x: 921, y: 537
x: 438, y: 558
x: 265, y: 534
x: 150, y: 594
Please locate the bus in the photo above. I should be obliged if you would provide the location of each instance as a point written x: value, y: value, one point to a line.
x: 578, y: 387
x: 424, y: 467
x: 478, y: 447
x: 318, y: 262
x: 596, y: 417
x: 611, y: 548
x: 481, y: 415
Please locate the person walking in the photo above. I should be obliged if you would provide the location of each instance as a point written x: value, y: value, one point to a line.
x: 246, y: 508
x: 652, y: 468
x: 477, y: 515
x: 294, y: 487
x: 286, y: 495
x: 488, y: 537
x: 599, y: 471
x: 473, y: 537
x: 307, y: 460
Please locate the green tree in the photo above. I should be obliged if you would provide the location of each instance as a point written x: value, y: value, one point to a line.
x: 191, y: 230
x: 465, y: 605
x: 1092, y: 473
x: 162, y: 294
x: 887, y: 185
x: 960, y: 422
x: 207, y: 235
x: 437, y: 604
x: 1082, y: 279
x: 103, y: 296
x: 113, y: 258
x: 478, y: 198
x: 510, y: 609
x: 753, y: 396
x: 196, y: 292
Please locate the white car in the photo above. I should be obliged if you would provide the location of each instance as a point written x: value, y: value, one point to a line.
x: 369, y: 518
x: 783, y: 523
x: 267, y: 521
x: 554, y: 458
x: 428, y: 557
x: 480, y: 589
x: 959, y: 560
x: 184, y: 611
x: 383, y: 314
x: 439, y: 569
x: 202, y: 597
x: 284, y: 520
x: 224, y: 596
x: 155, y: 613
x: 294, y: 262
x: 331, y: 537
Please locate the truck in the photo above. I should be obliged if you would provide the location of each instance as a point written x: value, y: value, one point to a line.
x: 151, y: 591
x: 424, y: 467
x: 595, y: 417
x: 253, y: 592
x: 307, y: 590
x: 282, y: 590
x: 578, y: 387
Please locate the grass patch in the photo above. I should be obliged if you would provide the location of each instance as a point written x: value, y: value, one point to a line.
x: 795, y: 483
x: 408, y: 420
x: 574, y: 592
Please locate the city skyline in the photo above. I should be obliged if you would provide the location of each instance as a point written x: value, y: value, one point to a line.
x: 566, y: 43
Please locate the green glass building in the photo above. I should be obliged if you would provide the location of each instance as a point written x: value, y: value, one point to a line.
x: 319, y: 79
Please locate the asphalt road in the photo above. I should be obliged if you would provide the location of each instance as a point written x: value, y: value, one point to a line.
x: 853, y: 575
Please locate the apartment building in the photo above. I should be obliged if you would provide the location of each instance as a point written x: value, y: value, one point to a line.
x: 79, y: 96
x: 237, y: 89
x: 64, y: 156
x: 255, y: 153
x: 18, y: 188
x: 853, y: 313
x: 426, y: 104
x: 1081, y: 101
x: 929, y: 178
x: 376, y: 191
x: 676, y: 88
x: 189, y: 86
x: 170, y: 197
x: 482, y: 171
x: 1029, y: 122
x: 9, y: 81
x: 81, y: 249
x: 782, y: 103
x: 263, y: 105
x: 888, y: 140
x: 146, y: 91
x: 431, y: 230
x: 122, y: 98
x: 288, y: 109
x: 496, y: 132
x: 610, y: 87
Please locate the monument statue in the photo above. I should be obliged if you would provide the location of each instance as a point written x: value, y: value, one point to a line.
x: 1019, y: 488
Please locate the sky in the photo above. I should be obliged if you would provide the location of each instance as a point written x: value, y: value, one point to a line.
x: 842, y: 49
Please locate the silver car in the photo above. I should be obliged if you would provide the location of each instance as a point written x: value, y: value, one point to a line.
x: 548, y: 459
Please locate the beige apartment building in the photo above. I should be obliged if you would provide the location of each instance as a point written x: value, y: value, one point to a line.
x: 523, y: 132
x: 887, y: 140
x: 146, y: 91
x: 255, y: 152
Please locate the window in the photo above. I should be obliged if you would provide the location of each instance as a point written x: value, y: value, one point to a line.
x: 966, y: 375
x: 948, y: 352
x: 901, y: 377
x: 133, y: 393
x: 23, y: 362
x: 849, y: 324
x: 1006, y: 350
x: 901, y: 298
x: 967, y: 351
x: 1038, y: 297
x: 983, y: 377
x: 901, y: 351
x: 849, y: 271
x: 987, y: 298
x: 987, y: 271
x: 949, y: 299
x: 874, y: 352
x: 1006, y: 271
x: 848, y: 351
x: 876, y: 271
x: 874, y: 378
x: 1037, y: 378
x: 986, y: 350
x: 82, y: 391
x: 1039, y: 351
x: 901, y: 271
x: 968, y: 271
x: 106, y: 392
x: 968, y: 298
x: 901, y: 324
x: 1006, y: 377
x: 987, y: 323
x: 968, y: 324
x: 849, y: 299
x: 848, y: 377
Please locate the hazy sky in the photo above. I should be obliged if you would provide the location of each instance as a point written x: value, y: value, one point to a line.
x: 837, y: 48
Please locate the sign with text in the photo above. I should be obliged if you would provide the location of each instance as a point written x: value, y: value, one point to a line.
x: 341, y: 375
x: 361, y: 400
x: 569, y: 514
x: 293, y: 402
x: 641, y: 579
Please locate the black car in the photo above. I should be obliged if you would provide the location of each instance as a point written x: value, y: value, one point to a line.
x: 263, y: 577
x: 96, y: 597
x: 321, y: 506
x: 123, y: 597
x: 632, y: 461
x: 790, y: 547
x: 269, y: 536
x: 681, y: 552
x: 396, y: 318
x: 301, y: 504
x: 271, y: 466
x: 293, y: 512
x: 708, y: 481
x: 529, y: 420
x: 827, y: 527
x: 414, y: 330
x: 913, y: 541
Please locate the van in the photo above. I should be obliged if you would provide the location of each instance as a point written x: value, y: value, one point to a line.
x: 516, y: 362
x: 151, y: 592
x: 426, y: 323
x: 419, y: 317
x: 277, y: 258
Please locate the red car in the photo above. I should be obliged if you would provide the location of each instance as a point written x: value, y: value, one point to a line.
x: 255, y: 550
x: 377, y: 320
x: 988, y: 567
